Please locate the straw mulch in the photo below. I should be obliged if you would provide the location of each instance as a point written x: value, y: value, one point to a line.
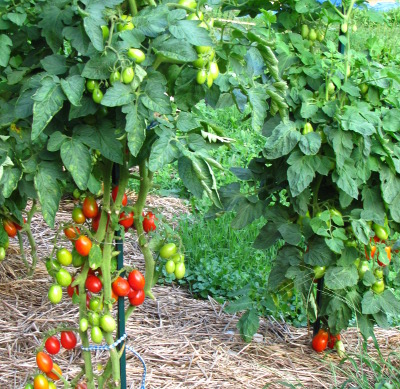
x: 186, y: 343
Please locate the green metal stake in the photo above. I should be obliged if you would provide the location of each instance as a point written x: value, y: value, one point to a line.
x: 119, y: 246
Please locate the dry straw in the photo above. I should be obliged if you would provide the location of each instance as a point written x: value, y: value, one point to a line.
x: 186, y: 343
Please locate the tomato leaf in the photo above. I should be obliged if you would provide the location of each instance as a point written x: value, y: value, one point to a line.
x: 187, y: 122
x: 337, y: 277
x: 55, y: 64
x: 132, y: 37
x: 282, y: 141
x: 258, y: 102
x: 267, y: 237
x: 310, y: 144
x: 98, y: 67
x: 290, y: 233
x: 135, y: 128
x: 163, y: 151
x: 9, y: 181
x: 95, y: 257
x: 189, y: 31
x: 241, y: 304
x: 73, y: 87
x: 318, y: 254
x: 370, y: 303
x: 301, y: 172
x: 174, y: 50
x: 390, y: 303
x: 119, y: 94
x: 5, y: 50
x: 154, y: 97
x: 336, y: 245
x: 248, y: 325
x: 247, y: 213
x: 94, y: 32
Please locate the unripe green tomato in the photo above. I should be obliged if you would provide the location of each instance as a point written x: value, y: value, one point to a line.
x: 320, y: 36
x: 203, y: 49
x: 339, y: 346
x: 106, y: 32
x: 55, y: 294
x: 180, y: 270
x: 312, y: 36
x: 188, y: 3
x: 344, y: 28
x: 28, y: 386
x: 170, y: 266
x: 126, y: 24
x: 96, y: 334
x: 364, y: 88
x: 167, y: 250
x: 200, y: 63
x: 362, y: 269
x: 213, y: 70
x: 357, y: 263
x: 83, y: 325
x: 64, y: 257
x: 380, y: 232
x: 63, y: 278
x: 127, y: 75
x: 351, y: 243
x: 305, y: 31
x: 2, y: 253
x: 115, y: 76
x: 307, y: 128
x: 319, y: 272
x: 94, y: 319
x: 348, y: 71
x: 378, y: 287
x: 137, y: 55
x: 331, y: 88
x: 107, y: 323
x: 355, y: 28
x: 77, y: 259
x: 76, y: 193
x: 52, y: 385
x: 378, y: 273
x: 201, y: 76
x: 96, y: 304
x: 91, y: 85
x: 210, y: 80
x: 97, y: 96
x: 178, y: 257
x: 334, y: 212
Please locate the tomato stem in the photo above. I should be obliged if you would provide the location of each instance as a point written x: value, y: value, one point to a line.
x: 133, y: 7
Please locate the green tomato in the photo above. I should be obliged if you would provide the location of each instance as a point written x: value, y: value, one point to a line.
x: 96, y: 304
x: 115, y: 76
x: 94, y: 318
x: 339, y: 346
x: 348, y: 71
x: 76, y: 193
x: 177, y: 257
x: 312, y: 36
x: 96, y: 335
x: 55, y: 294
x: 126, y: 23
x: 77, y: 259
x: 305, y: 31
x: 331, y: 88
x: 362, y: 269
x: 180, y: 270
x: 355, y: 28
x: 213, y: 70
x: 200, y: 63
x: 2, y: 253
x: 320, y: 36
x: 64, y: 257
x: 307, y: 128
x: 29, y: 386
x: 364, y: 88
x: 378, y: 287
x: 63, y: 278
x: 319, y: 272
x: 91, y: 85
x: 344, y: 27
x: 322, y: 135
x: 167, y: 250
x: 137, y: 55
x: 52, y: 267
x: 83, y: 325
x: 97, y: 96
x: 201, y: 76
x: 127, y: 75
x: 380, y: 232
x: 188, y: 3
x: 170, y: 266
x: 351, y: 243
x: 378, y: 273
x: 210, y: 80
x: 107, y: 323
x: 106, y: 32
x: 203, y: 49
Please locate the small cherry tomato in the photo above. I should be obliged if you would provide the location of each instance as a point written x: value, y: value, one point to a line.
x: 55, y: 294
x: 126, y: 220
x: 97, y: 96
x: 320, y: 341
x: 83, y: 245
x: 136, y: 280
x: 93, y: 284
x: 64, y: 257
x: 96, y: 334
x: 179, y: 270
x: 9, y: 228
x: 90, y: 208
x: 168, y: 250
x: 77, y: 215
x: 115, y: 76
x: 148, y: 222
x: 72, y: 232
x: 332, y: 340
x: 44, y: 362
x: 128, y: 75
x: 121, y: 287
x: 91, y: 85
x: 52, y: 375
x: 137, y: 297
x: 68, y: 340
x: 40, y: 382
x: 137, y: 55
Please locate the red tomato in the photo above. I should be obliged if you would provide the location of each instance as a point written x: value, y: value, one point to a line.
x: 96, y: 221
x: 93, y: 284
x: 83, y: 245
x: 52, y: 345
x: 126, y: 220
x: 10, y: 228
x: 320, y: 341
x: 148, y: 222
x: 70, y: 289
x: 68, y: 340
x: 114, y: 196
x: 121, y: 287
x: 72, y: 232
x: 90, y: 208
x: 137, y: 297
x: 44, y: 362
x: 136, y: 280
x: 52, y: 375
x: 332, y: 340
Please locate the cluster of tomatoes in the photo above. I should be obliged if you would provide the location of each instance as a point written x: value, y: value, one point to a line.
x: 11, y: 228
x: 175, y: 260
x: 311, y: 33
x: 45, y: 363
x: 324, y: 339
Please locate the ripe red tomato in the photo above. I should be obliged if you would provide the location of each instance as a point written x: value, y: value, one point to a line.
x: 90, y: 208
x: 136, y: 297
x: 114, y: 194
x: 78, y: 216
x: 121, y: 287
x: 40, y: 382
x: 148, y: 222
x: 320, y: 341
x: 83, y: 245
x: 52, y: 375
x: 93, y: 284
x: 10, y: 228
x: 72, y: 232
x: 44, y: 362
x: 332, y: 340
x: 68, y: 340
x: 52, y: 345
x: 136, y: 280
x: 126, y: 220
